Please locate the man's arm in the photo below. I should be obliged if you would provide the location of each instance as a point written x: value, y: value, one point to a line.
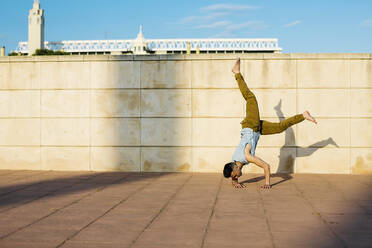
x: 259, y: 162
x: 265, y: 166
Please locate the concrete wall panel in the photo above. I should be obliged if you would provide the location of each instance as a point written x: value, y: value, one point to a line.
x: 166, y: 131
x: 65, y: 158
x: 323, y: 73
x: 64, y: 75
x: 20, y: 103
x: 361, y: 161
x: 115, y: 132
x: 115, y: 103
x: 361, y: 73
x: 65, y: 103
x: 183, y: 112
x: 166, y: 159
x: 216, y: 131
x: 213, y: 74
x: 274, y: 102
x: 166, y: 103
x: 269, y: 73
x: 118, y: 74
x: 115, y: 158
x: 327, y: 133
x: 4, y: 76
x: 20, y: 158
x: 361, y: 133
x: 65, y: 132
x: 20, y: 132
x: 361, y: 103
x: 324, y: 103
x: 218, y: 103
x: 22, y: 76
x: 211, y: 159
x: 324, y: 160
x: 165, y: 74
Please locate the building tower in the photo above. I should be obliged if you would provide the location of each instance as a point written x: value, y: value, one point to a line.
x: 35, y: 28
x: 139, y: 44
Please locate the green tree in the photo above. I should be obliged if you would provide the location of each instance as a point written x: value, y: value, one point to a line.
x: 47, y: 52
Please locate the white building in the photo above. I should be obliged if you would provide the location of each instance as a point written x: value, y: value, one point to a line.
x: 35, y: 28
x: 140, y: 45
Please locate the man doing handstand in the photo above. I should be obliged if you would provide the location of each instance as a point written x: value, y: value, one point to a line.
x: 252, y: 128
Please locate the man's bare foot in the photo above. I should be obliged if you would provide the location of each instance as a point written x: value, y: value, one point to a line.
x: 308, y: 117
x: 236, y: 68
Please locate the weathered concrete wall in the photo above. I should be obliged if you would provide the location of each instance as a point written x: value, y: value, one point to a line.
x: 183, y: 113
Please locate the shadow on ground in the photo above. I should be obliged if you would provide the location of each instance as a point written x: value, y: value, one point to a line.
x: 34, y: 189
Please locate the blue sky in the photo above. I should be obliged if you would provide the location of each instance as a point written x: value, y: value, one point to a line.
x: 301, y: 26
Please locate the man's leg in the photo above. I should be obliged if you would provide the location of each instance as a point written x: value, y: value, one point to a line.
x: 272, y: 128
x: 252, y: 111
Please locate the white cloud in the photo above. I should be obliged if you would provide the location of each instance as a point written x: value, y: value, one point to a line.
x: 223, y: 34
x: 211, y: 19
x: 291, y: 24
x: 228, y: 7
x: 202, y: 18
x: 227, y: 27
x: 366, y: 23
x: 255, y: 25
x: 218, y: 24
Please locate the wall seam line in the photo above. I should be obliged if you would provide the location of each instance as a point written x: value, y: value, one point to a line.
x: 296, y: 126
x: 90, y: 116
x: 191, y: 120
x: 140, y: 117
x: 40, y: 114
x: 349, y: 93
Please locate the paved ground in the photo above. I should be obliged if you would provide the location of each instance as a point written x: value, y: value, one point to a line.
x: 76, y: 209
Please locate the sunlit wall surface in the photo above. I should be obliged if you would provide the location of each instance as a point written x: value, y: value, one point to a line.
x: 183, y: 112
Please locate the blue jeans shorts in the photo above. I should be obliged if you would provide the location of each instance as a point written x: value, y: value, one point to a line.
x: 248, y: 136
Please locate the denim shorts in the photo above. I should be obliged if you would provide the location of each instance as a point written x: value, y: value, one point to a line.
x: 248, y: 136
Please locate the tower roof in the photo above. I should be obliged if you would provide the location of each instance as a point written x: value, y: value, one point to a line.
x: 140, y: 35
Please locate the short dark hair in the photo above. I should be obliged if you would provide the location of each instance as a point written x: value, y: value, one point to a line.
x: 228, y: 169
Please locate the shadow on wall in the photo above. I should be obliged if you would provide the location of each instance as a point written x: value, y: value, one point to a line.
x: 140, y: 119
x: 286, y: 164
x: 165, y: 115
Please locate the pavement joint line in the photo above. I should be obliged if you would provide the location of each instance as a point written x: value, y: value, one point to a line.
x: 339, y: 239
x: 161, y: 210
x: 7, y: 173
x: 212, y: 213
x: 106, y: 212
x: 57, y: 210
x: 265, y: 214
x: 45, y: 195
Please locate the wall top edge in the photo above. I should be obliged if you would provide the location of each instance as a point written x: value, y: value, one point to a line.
x: 248, y: 56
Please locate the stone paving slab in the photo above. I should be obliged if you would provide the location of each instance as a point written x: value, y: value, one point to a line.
x: 115, y: 209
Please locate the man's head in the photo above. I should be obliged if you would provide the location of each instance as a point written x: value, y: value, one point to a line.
x: 232, y: 170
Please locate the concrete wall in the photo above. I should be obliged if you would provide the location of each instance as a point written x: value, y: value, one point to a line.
x: 183, y: 112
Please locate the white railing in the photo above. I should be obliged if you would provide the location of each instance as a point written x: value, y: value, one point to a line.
x: 161, y: 45
x: 214, y: 44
